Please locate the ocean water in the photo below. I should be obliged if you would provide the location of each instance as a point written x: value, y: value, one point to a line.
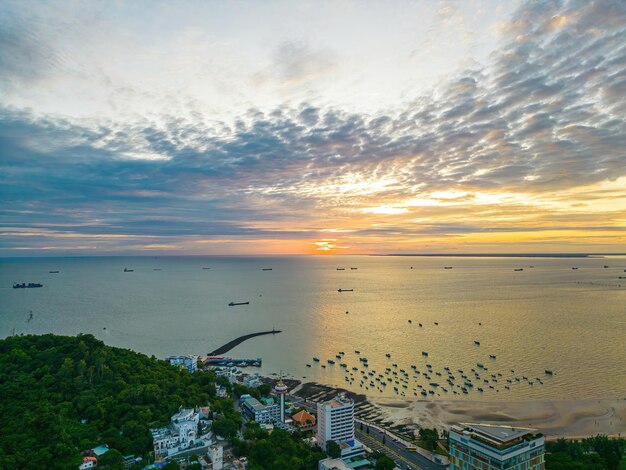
x: 548, y: 316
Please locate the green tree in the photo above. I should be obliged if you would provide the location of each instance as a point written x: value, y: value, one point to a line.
x: 333, y: 449
x: 225, y: 427
x: 429, y: 437
x: 383, y: 462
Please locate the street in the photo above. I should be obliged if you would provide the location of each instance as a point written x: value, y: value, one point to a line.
x: 393, y: 449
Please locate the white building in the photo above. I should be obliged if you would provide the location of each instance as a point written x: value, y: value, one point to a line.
x: 181, y: 435
x: 335, y: 422
x: 332, y: 464
x: 188, y: 362
x: 216, y: 454
x: 252, y: 381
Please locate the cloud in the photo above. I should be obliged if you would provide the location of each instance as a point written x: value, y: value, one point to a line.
x: 546, y: 115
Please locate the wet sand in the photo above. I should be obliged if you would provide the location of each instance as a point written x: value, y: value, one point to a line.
x: 554, y: 418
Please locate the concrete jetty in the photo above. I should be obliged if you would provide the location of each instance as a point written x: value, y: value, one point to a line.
x: 231, y: 344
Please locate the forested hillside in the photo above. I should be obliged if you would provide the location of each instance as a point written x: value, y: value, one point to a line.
x: 49, y: 383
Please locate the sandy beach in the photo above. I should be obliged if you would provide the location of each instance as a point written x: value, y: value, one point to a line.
x: 555, y: 418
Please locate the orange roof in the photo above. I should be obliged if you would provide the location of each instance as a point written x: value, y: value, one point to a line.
x: 302, y: 417
x: 88, y: 459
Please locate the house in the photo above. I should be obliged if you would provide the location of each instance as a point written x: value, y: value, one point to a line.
x: 100, y: 450
x: 187, y: 362
x: 180, y: 437
x: 88, y: 462
x: 304, y: 420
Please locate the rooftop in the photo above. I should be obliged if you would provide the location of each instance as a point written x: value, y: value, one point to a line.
x: 254, y: 404
x: 340, y: 400
x: 100, y: 450
x: 183, y: 415
x: 302, y: 417
x: 500, y: 434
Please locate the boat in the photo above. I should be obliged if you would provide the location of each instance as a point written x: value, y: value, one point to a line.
x: 353, y: 269
x: 518, y: 269
x: 388, y: 355
x: 341, y: 269
x: 266, y: 269
x: 574, y: 267
x: 549, y: 372
x: 126, y: 270
x: 316, y: 359
x: 492, y: 356
x: 54, y: 272
x: 30, y: 285
x: 436, y: 323
x: 477, y: 343
x: 156, y: 269
x: 424, y: 353
x: 323, y: 366
x: 330, y: 361
x: 410, y: 321
x: 420, y: 324
x: 345, y: 290
x: 206, y: 268
x: 447, y: 267
x: 233, y: 304
x: 356, y: 351
x: 605, y: 266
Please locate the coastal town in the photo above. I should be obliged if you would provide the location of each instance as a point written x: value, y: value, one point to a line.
x: 327, y: 421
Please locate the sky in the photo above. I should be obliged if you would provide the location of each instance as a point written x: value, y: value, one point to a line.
x: 312, y: 127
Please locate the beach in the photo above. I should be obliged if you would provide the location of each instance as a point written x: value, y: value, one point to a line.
x: 554, y: 418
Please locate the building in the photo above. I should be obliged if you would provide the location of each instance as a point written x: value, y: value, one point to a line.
x: 335, y: 422
x: 304, y: 421
x: 88, y: 463
x: 254, y: 410
x: 281, y: 390
x: 188, y: 362
x: 216, y: 454
x: 181, y: 436
x: 332, y: 464
x: 252, y: 381
x: 491, y: 447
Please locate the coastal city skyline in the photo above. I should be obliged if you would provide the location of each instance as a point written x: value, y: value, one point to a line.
x: 313, y: 235
x: 297, y: 128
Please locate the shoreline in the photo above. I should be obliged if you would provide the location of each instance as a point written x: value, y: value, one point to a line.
x: 568, y: 418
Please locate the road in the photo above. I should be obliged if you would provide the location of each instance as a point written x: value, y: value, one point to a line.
x: 393, y: 449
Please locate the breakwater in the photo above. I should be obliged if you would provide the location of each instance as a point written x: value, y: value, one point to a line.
x: 237, y: 341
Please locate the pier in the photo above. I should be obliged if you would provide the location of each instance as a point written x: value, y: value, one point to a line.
x: 237, y: 341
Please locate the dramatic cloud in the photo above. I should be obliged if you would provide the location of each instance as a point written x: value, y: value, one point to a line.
x: 524, y: 152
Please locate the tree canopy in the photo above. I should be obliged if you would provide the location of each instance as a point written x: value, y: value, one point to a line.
x: 61, y: 395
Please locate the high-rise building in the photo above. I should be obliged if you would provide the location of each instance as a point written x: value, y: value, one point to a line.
x: 491, y: 447
x: 335, y: 422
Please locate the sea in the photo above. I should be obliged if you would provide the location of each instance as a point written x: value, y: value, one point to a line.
x: 529, y: 314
